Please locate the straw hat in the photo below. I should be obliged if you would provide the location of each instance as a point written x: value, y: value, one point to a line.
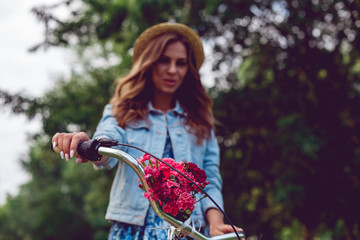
x: 158, y: 29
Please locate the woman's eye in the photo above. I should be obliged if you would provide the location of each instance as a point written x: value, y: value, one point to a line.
x: 163, y: 60
x: 181, y: 63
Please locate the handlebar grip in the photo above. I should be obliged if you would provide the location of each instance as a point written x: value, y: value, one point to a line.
x: 89, y: 149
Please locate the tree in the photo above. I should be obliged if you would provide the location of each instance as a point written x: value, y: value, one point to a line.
x: 61, y: 201
x: 294, y: 114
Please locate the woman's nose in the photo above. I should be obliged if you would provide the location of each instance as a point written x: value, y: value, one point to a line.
x: 172, y: 68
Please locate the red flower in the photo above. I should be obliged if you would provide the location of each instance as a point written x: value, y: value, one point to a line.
x: 174, y: 193
x: 186, y: 201
x: 144, y: 158
x: 171, y: 208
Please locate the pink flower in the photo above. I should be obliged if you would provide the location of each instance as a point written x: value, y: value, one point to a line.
x: 198, y: 173
x: 174, y: 193
x: 171, y: 208
x: 177, y: 191
x: 144, y: 158
x: 186, y: 201
x: 171, y: 184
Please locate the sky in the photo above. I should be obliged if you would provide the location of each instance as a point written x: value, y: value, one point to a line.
x: 21, y: 71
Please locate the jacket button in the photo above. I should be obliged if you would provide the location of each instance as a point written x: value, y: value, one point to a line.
x: 178, y: 133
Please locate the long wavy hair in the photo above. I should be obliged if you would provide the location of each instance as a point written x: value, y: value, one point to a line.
x: 135, y: 90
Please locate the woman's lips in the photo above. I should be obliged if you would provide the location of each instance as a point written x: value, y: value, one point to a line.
x: 170, y: 81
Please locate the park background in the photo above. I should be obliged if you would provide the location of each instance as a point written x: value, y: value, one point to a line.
x: 285, y: 81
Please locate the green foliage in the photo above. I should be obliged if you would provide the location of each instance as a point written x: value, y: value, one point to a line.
x: 287, y: 100
x: 292, y: 113
x: 62, y: 200
x: 50, y: 206
x: 82, y: 95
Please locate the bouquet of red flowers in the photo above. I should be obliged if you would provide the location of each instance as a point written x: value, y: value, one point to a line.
x: 174, y: 193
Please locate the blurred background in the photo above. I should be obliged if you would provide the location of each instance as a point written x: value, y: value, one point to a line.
x: 25, y: 72
x: 285, y: 80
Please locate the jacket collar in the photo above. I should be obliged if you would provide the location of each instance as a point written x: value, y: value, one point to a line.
x: 177, y: 110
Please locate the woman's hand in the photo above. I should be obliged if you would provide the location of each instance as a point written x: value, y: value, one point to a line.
x: 220, y: 229
x: 216, y: 223
x: 67, y: 144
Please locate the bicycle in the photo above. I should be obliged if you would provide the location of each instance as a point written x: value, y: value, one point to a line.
x: 94, y: 149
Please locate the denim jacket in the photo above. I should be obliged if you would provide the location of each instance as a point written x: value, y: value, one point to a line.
x: 127, y: 202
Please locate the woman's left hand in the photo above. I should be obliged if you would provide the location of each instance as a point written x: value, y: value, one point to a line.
x: 220, y: 229
x: 217, y: 225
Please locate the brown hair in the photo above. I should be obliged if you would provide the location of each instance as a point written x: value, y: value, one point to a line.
x: 134, y: 91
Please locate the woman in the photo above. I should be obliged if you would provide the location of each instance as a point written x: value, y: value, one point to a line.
x: 161, y: 107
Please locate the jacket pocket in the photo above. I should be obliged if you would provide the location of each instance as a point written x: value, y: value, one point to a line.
x: 137, y: 134
x: 197, y: 150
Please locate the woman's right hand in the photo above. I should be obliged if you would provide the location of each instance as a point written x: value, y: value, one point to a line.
x: 67, y: 144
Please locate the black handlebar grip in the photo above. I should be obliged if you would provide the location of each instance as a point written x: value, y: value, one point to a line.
x: 89, y: 149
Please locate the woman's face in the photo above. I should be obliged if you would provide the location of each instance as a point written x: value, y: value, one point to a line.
x: 170, y: 69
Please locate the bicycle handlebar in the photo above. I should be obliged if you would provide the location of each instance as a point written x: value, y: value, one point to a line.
x: 94, y: 149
